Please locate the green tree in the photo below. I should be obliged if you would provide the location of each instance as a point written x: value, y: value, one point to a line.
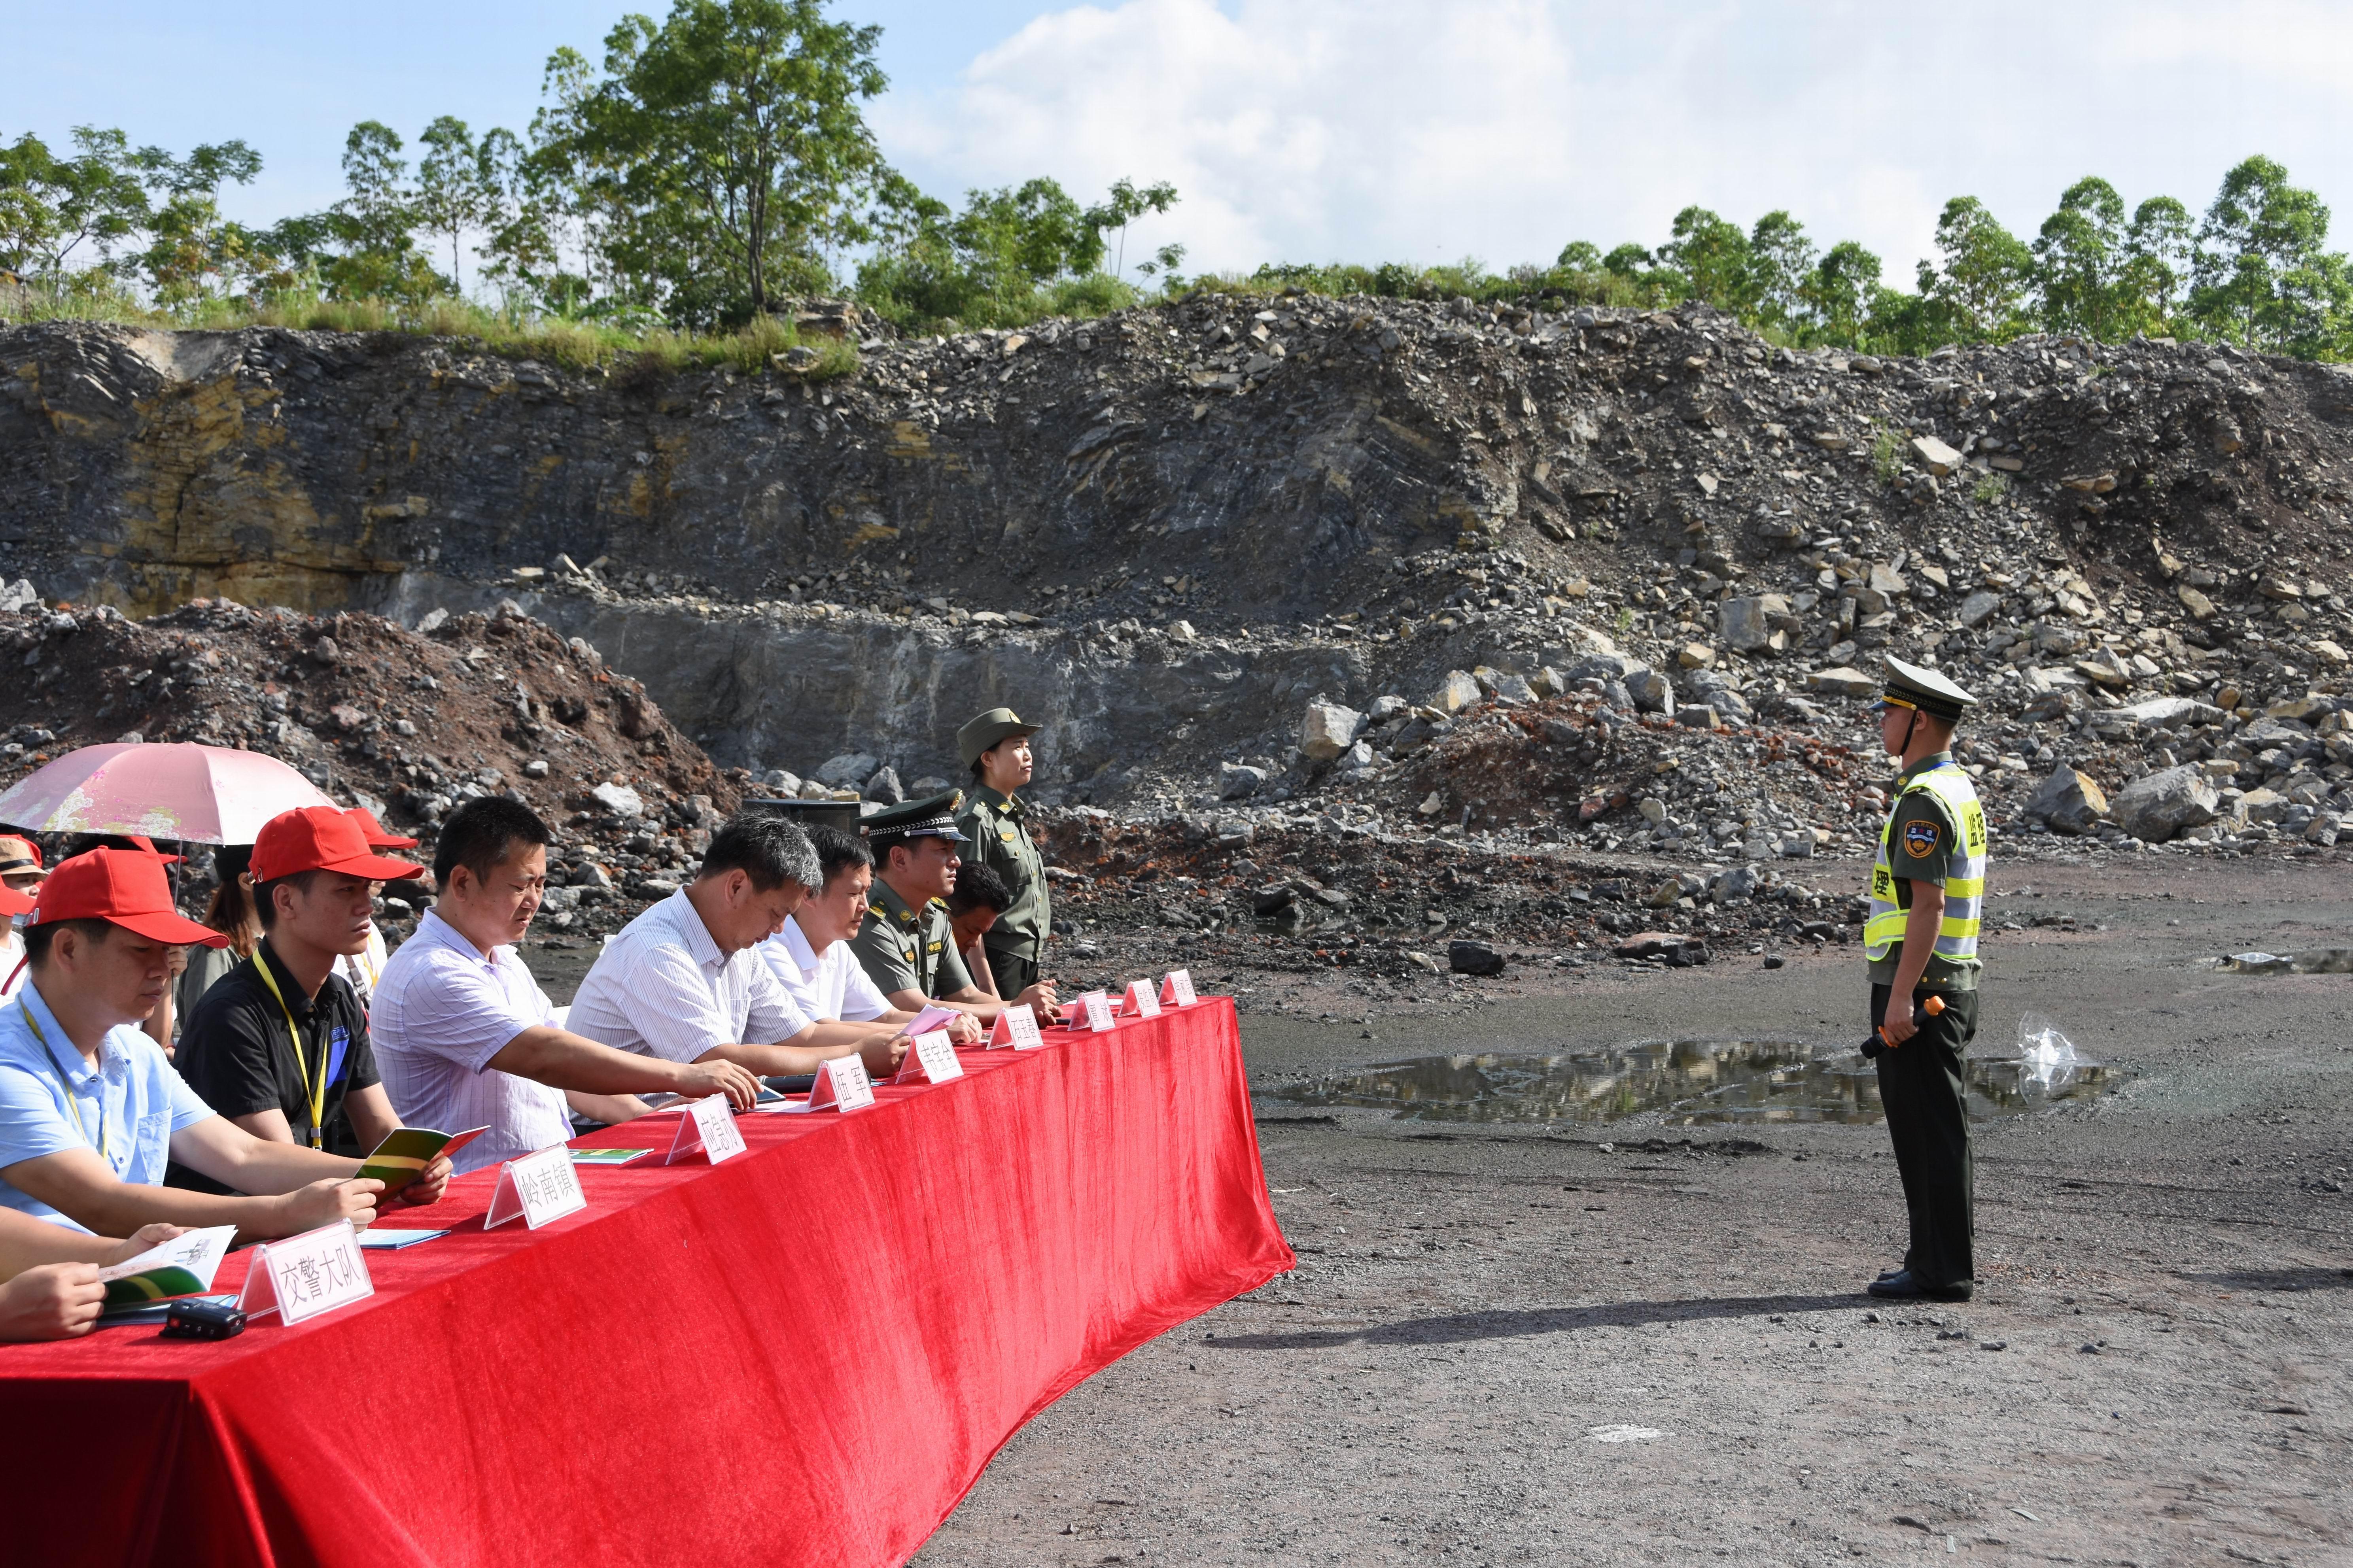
x: 1713, y: 257
x: 1840, y: 293
x: 1580, y: 256
x: 192, y: 252
x: 728, y: 141
x: 453, y: 192
x: 1125, y: 204
x: 2080, y: 261
x: 2161, y: 249
x: 1781, y: 259
x: 374, y: 225
x: 1985, y: 275
x: 50, y: 208
x: 2262, y: 277
x: 997, y: 262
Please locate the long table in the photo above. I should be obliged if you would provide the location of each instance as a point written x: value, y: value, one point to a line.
x: 805, y: 1354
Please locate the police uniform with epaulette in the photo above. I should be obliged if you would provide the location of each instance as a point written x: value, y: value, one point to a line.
x: 905, y: 946
x: 1934, y: 836
x: 996, y: 823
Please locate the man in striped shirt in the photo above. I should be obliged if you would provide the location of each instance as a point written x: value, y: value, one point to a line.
x: 683, y: 981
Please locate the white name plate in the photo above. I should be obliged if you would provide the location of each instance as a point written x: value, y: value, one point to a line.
x: 1177, y: 988
x: 1016, y: 1026
x: 538, y: 1187
x: 306, y: 1275
x: 1141, y: 1001
x: 710, y: 1126
x: 933, y: 1060
x: 1098, y: 1010
x: 842, y: 1085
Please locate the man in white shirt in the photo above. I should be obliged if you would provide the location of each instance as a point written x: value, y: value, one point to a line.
x: 683, y: 981
x: 465, y: 1038
x: 811, y: 956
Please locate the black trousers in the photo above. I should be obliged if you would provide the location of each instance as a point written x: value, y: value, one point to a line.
x: 1922, y: 1087
x: 1014, y: 972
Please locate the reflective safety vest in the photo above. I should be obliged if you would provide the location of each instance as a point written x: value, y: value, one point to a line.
x: 1957, y: 939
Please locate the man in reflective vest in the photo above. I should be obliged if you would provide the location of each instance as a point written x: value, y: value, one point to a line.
x: 1927, y: 891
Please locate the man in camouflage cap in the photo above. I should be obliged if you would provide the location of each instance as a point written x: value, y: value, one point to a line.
x: 906, y: 944
x: 996, y: 748
x: 1927, y: 887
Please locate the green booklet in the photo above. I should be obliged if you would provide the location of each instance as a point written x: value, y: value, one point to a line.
x: 607, y: 1156
x: 184, y: 1266
x: 402, y: 1157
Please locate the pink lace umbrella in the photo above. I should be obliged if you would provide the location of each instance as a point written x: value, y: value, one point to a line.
x: 198, y: 795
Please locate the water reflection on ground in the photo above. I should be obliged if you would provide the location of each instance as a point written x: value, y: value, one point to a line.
x: 1684, y: 1081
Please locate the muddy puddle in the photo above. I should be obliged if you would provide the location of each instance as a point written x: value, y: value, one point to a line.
x: 1683, y: 1082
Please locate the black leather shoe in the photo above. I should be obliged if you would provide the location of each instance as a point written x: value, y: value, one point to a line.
x: 1901, y: 1287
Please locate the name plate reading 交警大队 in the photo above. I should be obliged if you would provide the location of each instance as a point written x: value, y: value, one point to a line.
x: 538, y: 1187
x: 303, y: 1276
x: 1141, y: 1001
x: 1177, y: 988
x: 931, y: 1059
x: 842, y: 1085
x: 709, y: 1125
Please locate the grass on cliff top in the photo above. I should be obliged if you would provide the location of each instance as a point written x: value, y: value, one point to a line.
x: 582, y: 345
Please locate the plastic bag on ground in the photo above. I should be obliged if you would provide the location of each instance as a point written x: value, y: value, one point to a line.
x: 2044, y: 1055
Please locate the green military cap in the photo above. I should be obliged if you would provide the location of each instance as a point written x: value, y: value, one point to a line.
x: 996, y: 724
x: 1909, y: 686
x: 931, y: 818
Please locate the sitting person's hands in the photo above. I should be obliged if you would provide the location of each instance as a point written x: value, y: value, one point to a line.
x: 54, y: 1301
x: 145, y: 1236
x: 325, y: 1201
x: 429, y: 1184
x: 882, y: 1057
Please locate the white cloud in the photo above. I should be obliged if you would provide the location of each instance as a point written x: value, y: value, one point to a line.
x: 1379, y: 130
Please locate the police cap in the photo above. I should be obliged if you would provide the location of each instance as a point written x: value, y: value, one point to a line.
x: 998, y: 724
x: 931, y: 819
x: 1909, y: 686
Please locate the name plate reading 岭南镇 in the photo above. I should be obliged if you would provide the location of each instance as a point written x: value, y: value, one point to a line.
x: 1016, y: 1026
x: 1098, y: 1013
x: 842, y: 1085
x: 1141, y: 1001
x: 931, y: 1059
x: 1177, y: 988
x: 303, y: 1276
x: 538, y: 1187
x: 709, y: 1125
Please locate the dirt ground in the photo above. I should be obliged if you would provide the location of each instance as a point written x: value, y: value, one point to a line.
x: 1509, y: 1343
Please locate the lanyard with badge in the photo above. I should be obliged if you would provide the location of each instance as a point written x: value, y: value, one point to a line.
x: 73, y: 1106
x: 318, y: 1094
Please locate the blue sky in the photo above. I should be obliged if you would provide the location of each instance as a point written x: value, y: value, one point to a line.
x: 1363, y: 130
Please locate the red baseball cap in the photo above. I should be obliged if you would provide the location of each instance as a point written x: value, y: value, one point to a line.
x: 379, y: 835
x: 144, y: 842
x: 124, y: 887
x: 322, y: 839
x: 13, y: 903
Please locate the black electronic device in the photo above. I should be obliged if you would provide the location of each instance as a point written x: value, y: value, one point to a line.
x: 195, y: 1319
x: 1878, y: 1041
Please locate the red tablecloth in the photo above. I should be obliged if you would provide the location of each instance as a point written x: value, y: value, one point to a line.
x: 803, y: 1355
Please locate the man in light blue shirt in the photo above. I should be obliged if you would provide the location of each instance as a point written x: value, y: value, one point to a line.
x: 91, y: 1111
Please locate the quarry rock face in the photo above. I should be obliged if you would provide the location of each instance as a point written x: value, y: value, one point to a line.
x: 1565, y: 545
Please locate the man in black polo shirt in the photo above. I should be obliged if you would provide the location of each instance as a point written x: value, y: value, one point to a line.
x: 279, y: 1044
